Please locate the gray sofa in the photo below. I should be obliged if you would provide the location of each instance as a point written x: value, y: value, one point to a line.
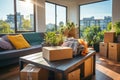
x: 8, y: 57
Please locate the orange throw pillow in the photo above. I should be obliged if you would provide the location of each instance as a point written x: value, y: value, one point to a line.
x: 85, y: 51
x: 18, y: 41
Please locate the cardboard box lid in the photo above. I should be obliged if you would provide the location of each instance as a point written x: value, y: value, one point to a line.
x: 31, y: 68
x: 56, y: 48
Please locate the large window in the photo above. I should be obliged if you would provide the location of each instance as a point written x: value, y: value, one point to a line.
x: 95, y: 14
x: 7, y: 16
x: 25, y: 16
x: 16, y: 16
x: 55, y: 16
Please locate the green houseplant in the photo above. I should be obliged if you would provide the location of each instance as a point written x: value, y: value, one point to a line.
x: 69, y: 29
x: 53, y: 39
x: 93, y: 35
x: 116, y: 27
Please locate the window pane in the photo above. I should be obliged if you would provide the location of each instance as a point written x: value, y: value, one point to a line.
x: 95, y: 14
x: 50, y: 16
x: 25, y: 16
x: 7, y: 16
x: 61, y: 16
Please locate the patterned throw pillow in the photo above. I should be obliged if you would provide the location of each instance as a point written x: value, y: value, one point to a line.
x: 4, y: 44
x: 74, y: 44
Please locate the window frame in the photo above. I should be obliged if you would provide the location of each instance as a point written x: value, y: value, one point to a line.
x: 56, y: 11
x: 87, y: 4
x: 15, y: 15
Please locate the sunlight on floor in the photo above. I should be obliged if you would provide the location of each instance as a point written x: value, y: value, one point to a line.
x: 108, y: 72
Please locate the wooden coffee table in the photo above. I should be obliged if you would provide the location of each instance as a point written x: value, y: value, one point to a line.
x: 61, y: 66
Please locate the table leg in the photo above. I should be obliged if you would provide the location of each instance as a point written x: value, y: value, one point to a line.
x: 82, y: 70
x: 21, y: 64
x: 94, y: 64
x: 64, y: 76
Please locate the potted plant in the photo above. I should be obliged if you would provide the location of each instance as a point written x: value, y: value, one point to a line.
x: 116, y: 27
x: 109, y: 26
x: 53, y: 39
x: 93, y: 35
x: 70, y: 30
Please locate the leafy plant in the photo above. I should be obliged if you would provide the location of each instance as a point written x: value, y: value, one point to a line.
x: 70, y: 25
x: 117, y: 28
x: 93, y: 35
x: 109, y: 26
x: 68, y: 29
x: 53, y: 39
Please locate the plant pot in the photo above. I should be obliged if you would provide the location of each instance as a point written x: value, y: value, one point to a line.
x: 96, y: 47
x: 118, y: 38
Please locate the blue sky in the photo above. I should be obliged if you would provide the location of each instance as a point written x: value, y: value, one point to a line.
x: 98, y: 10
x: 7, y: 7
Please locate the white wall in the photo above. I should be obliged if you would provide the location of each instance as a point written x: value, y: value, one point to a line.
x: 40, y: 16
x: 86, y: 1
x: 116, y: 11
x: 73, y: 11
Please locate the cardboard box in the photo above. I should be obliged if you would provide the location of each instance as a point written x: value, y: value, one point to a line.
x: 109, y: 37
x: 74, y: 75
x: 88, y: 67
x: 114, y: 51
x: 103, y: 49
x: 31, y: 72
x: 57, y: 53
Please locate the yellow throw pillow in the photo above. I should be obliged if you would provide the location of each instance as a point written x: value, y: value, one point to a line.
x: 18, y: 41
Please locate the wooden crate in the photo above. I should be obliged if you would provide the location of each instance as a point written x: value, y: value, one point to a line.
x: 109, y: 37
x: 114, y: 51
x: 88, y: 67
x: 103, y: 49
x: 57, y: 53
x: 74, y: 75
x: 31, y: 72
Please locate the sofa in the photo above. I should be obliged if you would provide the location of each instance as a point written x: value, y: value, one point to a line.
x: 8, y: 57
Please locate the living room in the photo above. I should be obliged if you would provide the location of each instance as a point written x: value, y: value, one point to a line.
x: 29, y: 28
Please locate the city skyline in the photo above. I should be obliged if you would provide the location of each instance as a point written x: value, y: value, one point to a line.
x: 22, y: 7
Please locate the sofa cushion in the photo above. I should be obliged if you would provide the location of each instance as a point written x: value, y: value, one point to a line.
x: 4, y: 44
x: 18, y: 41
x: 8, y: 54
x: 33, y: 38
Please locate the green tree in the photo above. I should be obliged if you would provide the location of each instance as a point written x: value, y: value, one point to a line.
x: 26, y: 24
x: 5, y: 27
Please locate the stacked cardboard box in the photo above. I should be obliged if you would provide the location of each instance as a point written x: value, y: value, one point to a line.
x: 31, y: 72
x: 114, y: 51
x: 109, y: 48
x: 109, y: 37
x: 104, y: 49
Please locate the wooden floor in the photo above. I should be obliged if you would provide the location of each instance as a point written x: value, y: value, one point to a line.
x: 105, y: 70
